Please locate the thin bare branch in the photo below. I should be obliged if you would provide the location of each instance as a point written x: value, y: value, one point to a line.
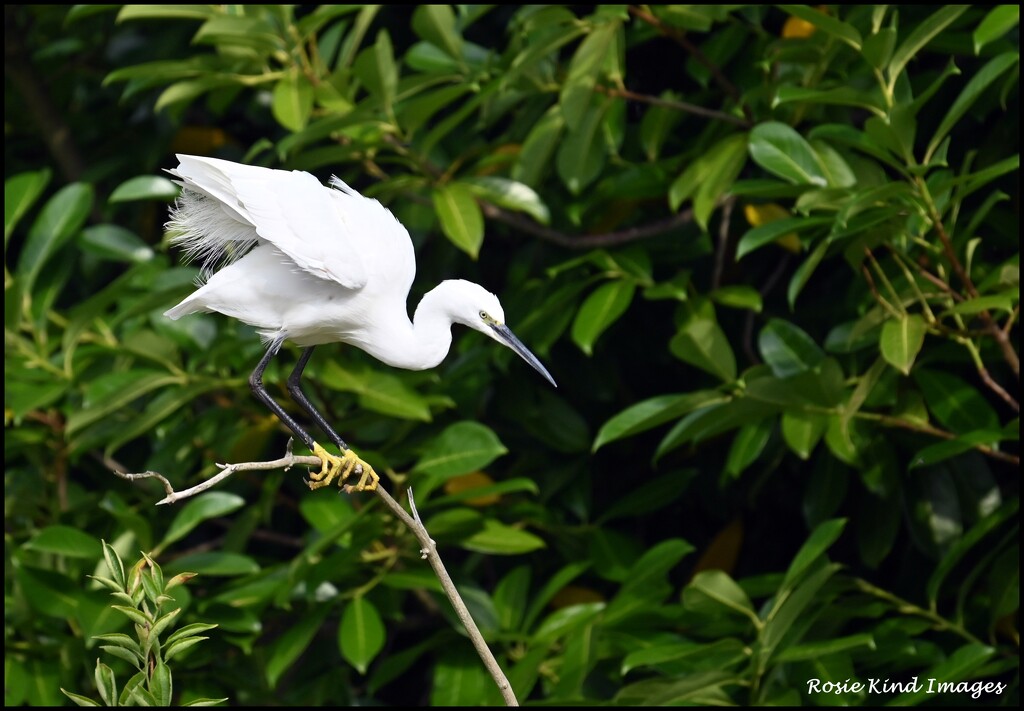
x: 608, y: 239
x: 683, y: 41
x: 683, y: 106
x: 428, y: 550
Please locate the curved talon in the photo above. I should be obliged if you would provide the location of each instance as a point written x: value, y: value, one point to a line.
x: 342, y: 467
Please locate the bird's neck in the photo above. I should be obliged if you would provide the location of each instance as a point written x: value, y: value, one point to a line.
x: 431, y: 334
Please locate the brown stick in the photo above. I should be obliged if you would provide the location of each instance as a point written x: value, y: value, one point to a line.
x: 608, y: 239
x: 671, y: 104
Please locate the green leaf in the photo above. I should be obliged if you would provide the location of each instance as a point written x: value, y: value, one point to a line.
x: 539, y: 146
x: 802, y: 430
x: 292, y: 102
x: 935, y: 453
x: 747, y: 445
x: 116, y: 243
x: 498, y: 539
x: 767, y: 233
x: 510, y: 194
x: 586, y: 63
x: 459, y: 679
x: 510, y: 596
x: 803, y: 273
x: 701, y: 342
x: 378, y: 391
x: 65, y: 541
x: 461, y: 448
x: 461, y: 219
x: 653, y: 412
x: 20, y: 193
x: 112, y: 392
x: 653, y: 495
x: 601, y: 309
x: 646, y: 583
x: 201, y: 508
x: 993, y: 302
x: 287, y: 648
x: 361, y: 634
x: 106, y: 684
x: 165, y: 12
x: 997, y: 23
x: 738, y: 297
x: 783, y: 152
x: 710, y: 421
x: 968, y: 541
x: 787, y: 349
x: 61, y: 218
x: 901, y: 340
x: 810, y: 651
x: 712, y: 592
x: 376, y: 69
x: 709, y: 176
x: 922, y: 35
x: 79, y: 699
x: 145, y: 187
x: 971, y: 93
x: 832, y: 25
x: 787, y: 609
x: 839, y: 96
x: 955, y: 403
x: 217, y: 563
x: 436, y: 24
x: 723, y: 164
x: 701, y: 688
x: 159, y: 409
x: 960, y: 665
x: 820, y: 540
x: 581, y: 155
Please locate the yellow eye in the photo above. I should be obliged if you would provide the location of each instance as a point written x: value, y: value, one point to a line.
x: 484, y: 316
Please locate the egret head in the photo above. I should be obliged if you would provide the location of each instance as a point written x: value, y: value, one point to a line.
x: 480, y: 310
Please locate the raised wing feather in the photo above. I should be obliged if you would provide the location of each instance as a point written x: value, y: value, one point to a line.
x: 290, y: 209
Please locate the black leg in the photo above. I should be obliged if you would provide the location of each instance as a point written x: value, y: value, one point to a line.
x: 295, y: 389
x: 256, y: 383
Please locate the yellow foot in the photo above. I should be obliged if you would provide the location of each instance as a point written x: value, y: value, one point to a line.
x: 342, y: 467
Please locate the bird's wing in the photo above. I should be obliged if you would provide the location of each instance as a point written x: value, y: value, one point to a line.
x: 290, y: 209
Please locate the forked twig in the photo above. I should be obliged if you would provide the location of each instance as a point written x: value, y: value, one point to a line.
x: 428, y: 549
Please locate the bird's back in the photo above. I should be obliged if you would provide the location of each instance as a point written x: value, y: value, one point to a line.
x: 313, y: 244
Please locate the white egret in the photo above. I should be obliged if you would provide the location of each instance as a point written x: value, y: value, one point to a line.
x: 313, y: 264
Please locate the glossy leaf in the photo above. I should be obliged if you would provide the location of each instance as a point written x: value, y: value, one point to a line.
x: 921, y: 36
x: 787, y: 349
x: 600, y: 310
x: 461, y: 219
x: 287, y: 648
x: 292, y: 102
x: 901, y: 341
x: 361, y: 634
x: 997, y: 22
x: 701, y: 342
x: 201, y: 508
x: 651, y: 413
x: 145, y: 187
x: 461, y: 448
x: 61, y: 218
x: 785, y: 153
x: 20, y: 193
x: 65, y: 541
x: 971, y: 93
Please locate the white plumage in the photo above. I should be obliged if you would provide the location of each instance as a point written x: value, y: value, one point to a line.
x: 316, y: 264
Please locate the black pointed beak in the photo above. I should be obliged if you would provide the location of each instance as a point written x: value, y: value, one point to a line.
x: 505, y: 335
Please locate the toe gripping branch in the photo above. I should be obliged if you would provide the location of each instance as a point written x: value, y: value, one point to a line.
x: 342, y: 468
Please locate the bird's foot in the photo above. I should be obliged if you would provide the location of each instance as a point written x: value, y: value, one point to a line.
x: 342, y: 467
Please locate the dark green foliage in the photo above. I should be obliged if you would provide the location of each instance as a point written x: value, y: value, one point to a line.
x: 771, y: 255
